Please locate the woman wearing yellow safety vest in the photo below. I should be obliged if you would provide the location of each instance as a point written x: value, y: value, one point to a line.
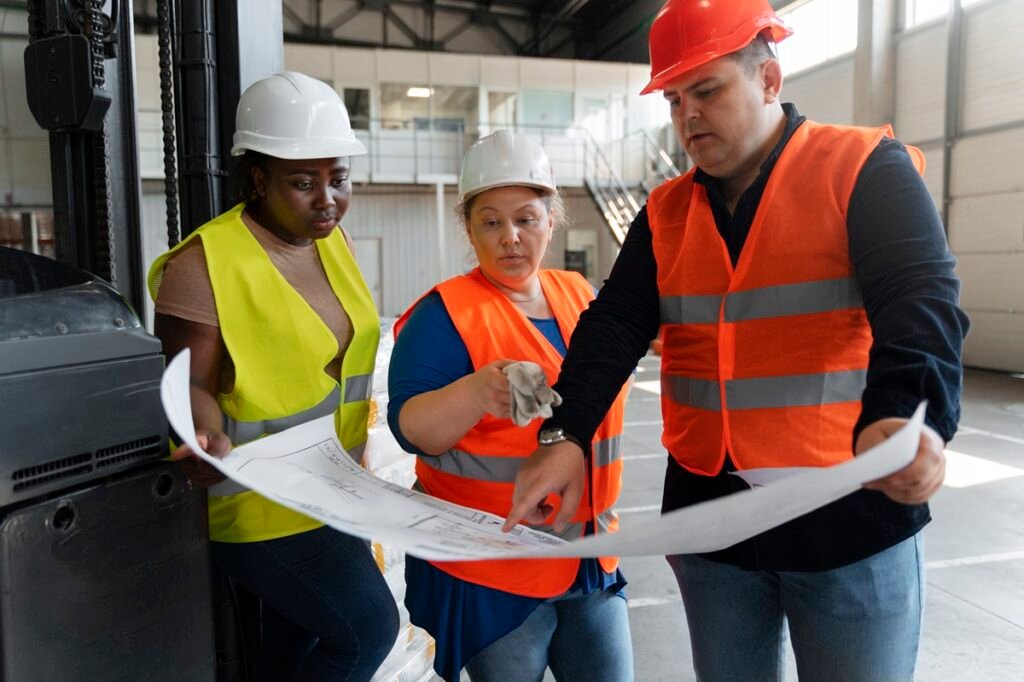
x: 282, y: 329
x: 450, y: 404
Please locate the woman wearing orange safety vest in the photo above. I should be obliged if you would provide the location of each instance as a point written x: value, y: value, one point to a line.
x: 282, y: 330
x: 450, y: 405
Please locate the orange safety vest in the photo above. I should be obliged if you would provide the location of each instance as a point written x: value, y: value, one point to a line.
x: 768, y: 360
x: 479, y: 471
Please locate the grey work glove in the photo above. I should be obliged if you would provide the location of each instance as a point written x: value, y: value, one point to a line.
x: 530, y: 395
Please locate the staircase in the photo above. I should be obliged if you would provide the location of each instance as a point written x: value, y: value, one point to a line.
x: 619, y: 198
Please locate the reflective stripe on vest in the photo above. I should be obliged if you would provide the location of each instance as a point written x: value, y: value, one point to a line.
x: 763, y: 392
x: 358, y: 387
x: 788, y: 299
x: 243, y: 432
x: 575, y: 530
x: 504, y: 469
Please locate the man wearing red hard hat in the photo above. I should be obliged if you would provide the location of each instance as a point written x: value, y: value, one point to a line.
x: 805, y: 294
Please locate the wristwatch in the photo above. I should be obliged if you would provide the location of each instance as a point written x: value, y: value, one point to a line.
x: 557, y: 435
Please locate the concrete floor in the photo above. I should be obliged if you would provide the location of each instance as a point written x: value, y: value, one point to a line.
x: 974, y: 619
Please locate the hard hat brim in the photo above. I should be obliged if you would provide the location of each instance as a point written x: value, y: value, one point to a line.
x: 548, y: 189
x: 296, y: 149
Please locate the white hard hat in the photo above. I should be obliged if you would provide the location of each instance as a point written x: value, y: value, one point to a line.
x: 505, y: 158
x: 293, y: 116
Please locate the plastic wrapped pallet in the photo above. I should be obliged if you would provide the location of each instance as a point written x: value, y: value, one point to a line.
x: 412, y: 658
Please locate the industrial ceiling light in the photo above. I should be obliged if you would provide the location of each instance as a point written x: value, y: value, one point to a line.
x: 419, y: 92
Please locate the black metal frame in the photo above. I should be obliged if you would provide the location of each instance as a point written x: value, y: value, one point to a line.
x: 96, y: 186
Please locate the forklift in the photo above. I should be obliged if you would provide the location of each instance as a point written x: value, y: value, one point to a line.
x: 104, y: 564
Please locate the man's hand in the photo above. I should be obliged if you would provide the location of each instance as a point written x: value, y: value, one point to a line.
x: 920, y: 479
x: 199, y: 472
x: 558, y: 469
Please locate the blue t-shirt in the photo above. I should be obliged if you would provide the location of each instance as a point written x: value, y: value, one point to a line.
x: 462, y: 617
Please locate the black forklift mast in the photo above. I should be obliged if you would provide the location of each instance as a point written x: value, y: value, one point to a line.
x: 105, y: 571
x: 80, y: 83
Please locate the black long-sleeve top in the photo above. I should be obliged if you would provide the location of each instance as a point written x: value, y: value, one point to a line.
x: 904, y: 268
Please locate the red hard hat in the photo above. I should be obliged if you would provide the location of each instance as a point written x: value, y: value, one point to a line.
x: 689, y: 33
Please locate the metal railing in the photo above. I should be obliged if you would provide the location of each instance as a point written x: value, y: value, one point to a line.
x: 616, y: 202
x: 618, y: 175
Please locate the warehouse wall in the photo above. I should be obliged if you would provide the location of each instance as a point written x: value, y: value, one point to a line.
x: 986, y: 217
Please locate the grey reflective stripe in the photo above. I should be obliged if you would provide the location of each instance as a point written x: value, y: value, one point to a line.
x: 357, y: 453
x: 690, y: 309
x: 783, y: 391
x: 604, y: 520
x: 225, y: 488
x: 477, y: 467
x: 795, y: 390
x: 358, y: 387
x: 504, y: 469
x: 793, y: 299
x: 607, y: 451
x: 575, y: 530
x: 754, y: 304
x: 242, y: 432
x: 700, y: 393
x: 570, y: 532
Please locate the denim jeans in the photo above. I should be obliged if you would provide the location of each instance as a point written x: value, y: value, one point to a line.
x: 327, y: 612
x: 856, y: 623
x: 581, y: 637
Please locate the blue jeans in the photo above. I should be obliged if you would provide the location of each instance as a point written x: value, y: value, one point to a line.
x: 581, y: 637
x: 856, y: 623
x: 327, y: 612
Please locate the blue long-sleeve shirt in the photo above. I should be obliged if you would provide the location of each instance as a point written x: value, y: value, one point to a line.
x: 904, y: 268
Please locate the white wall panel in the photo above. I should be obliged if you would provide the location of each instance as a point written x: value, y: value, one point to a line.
x: 405, y: 219
x: 921, y: 84
x: 933, y: 172
x: 639, y: 74
x: 988, y: 281
x: 14, y: 21
x: 989, y: 164
x: 823, y: 94
x: 499, y: 72
x: 6, y: 171
x: 994, y: 64
x: 30, y: 165
x: 312, y: 60
x: 19, y: 121
x: 988, y: 224
x: 454, y: 69
x: 546, y: 74
x: 147, y: 72
x: 354, y: 67
x: 25, y: 148
x: 400, y: 66
x: 603, y: 79
x: 996, y: 341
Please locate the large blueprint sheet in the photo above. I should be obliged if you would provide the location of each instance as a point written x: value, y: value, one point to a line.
x: 306, y: 468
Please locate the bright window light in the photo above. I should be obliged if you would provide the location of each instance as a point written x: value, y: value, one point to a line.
x: 822, y: 30
x: 419, y: 92
x: 917, y: 12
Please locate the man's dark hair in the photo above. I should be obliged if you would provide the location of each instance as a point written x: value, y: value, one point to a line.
x: 754, y: 54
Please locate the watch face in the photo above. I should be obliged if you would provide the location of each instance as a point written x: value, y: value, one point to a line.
x: 551, y: 436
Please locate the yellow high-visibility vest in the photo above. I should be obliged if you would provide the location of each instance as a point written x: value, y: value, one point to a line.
x: 280, y: 347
